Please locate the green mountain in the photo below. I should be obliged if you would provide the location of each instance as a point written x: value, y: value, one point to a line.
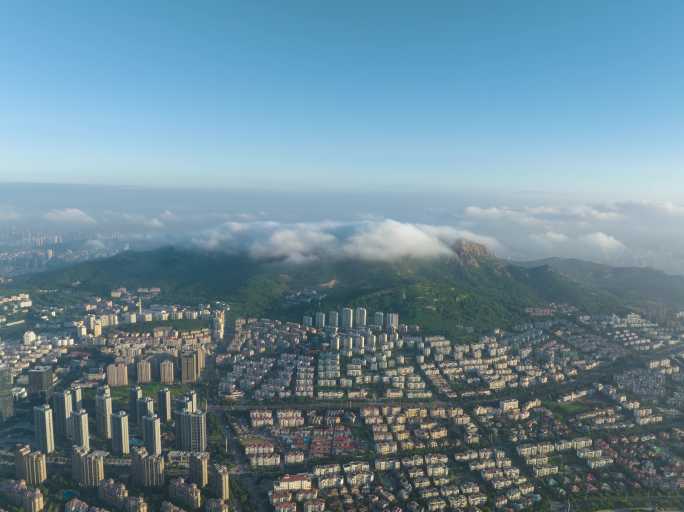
x: 471, y: 289
x: 638, y: 287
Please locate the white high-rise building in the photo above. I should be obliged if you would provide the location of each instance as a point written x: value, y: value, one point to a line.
x: 44, y: 429
x: 152, y: 434
x: 219, y: 481
x: 333, y: 319
x: 360, y: 317
x: 103, y: 412
x: 199, y: 468
x: 81, y: 430
x: 62, y: 408
x: 166, y: 375
x: 144, y: 407
x: 120, y: 439
x: 392, y: 321
x: 191, y: 431
x: 371, y: 342
x: 30, y: 338
x: 347, y: 318
x: 164, y: 404
x: 319, y: 320
x: 76, y: 397
x: 135, y: 393
x: 144, y: 370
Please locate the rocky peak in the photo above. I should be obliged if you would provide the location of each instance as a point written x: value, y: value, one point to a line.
x: 470, y: 252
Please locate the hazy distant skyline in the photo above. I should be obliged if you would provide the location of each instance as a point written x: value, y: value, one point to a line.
x: 580, y: 99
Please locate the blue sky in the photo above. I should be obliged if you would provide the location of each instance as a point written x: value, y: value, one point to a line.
x: 581, y: 98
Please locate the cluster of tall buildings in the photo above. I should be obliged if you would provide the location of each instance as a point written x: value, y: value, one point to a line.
x: 19, y: 494
x: 64, y: 403
x: 87, y: 468
x: 115, y: 495
x: 192, y: 362
x: 117, y: 373
x: 147, y: 469
x: 350, y: 318
x: 61, y: 421
x: 191, y: 424
x: 30, y: 465
x: 216, y: 478
x: 148, y: 465
x: 72, y: 424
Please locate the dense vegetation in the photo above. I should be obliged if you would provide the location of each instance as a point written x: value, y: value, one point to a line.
x: 635, y: 286
x: 446, y: 295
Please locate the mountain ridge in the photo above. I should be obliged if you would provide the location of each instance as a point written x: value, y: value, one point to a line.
x: 471, y: 288
x: 641, y: 287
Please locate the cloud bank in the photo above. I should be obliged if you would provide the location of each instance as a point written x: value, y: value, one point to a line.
x: 69, y: 216
x: 384, y: 240
x: 635, y: 233
x: 371, y: 227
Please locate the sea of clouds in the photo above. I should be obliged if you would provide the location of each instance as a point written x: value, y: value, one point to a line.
x: 634, y: 233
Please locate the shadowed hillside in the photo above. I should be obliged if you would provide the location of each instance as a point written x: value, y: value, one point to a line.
x: 469, y: 289
x: 640, y: 287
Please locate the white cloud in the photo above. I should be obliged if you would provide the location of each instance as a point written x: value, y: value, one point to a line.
x: 550, y: 237
x: 604, y: 242
x: 142, y: 220
x: 167, y: 215
x: 517, y: 215
x: 543, y: 214
x: 69, y: 216
x: 627, y: 233
x: 592, y: 213
x: 390, y: 240
x: 486, y: 213
x: 652, y: 208
x: 451, y: 235
x: 385, y: 240
x: 297, y: 244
